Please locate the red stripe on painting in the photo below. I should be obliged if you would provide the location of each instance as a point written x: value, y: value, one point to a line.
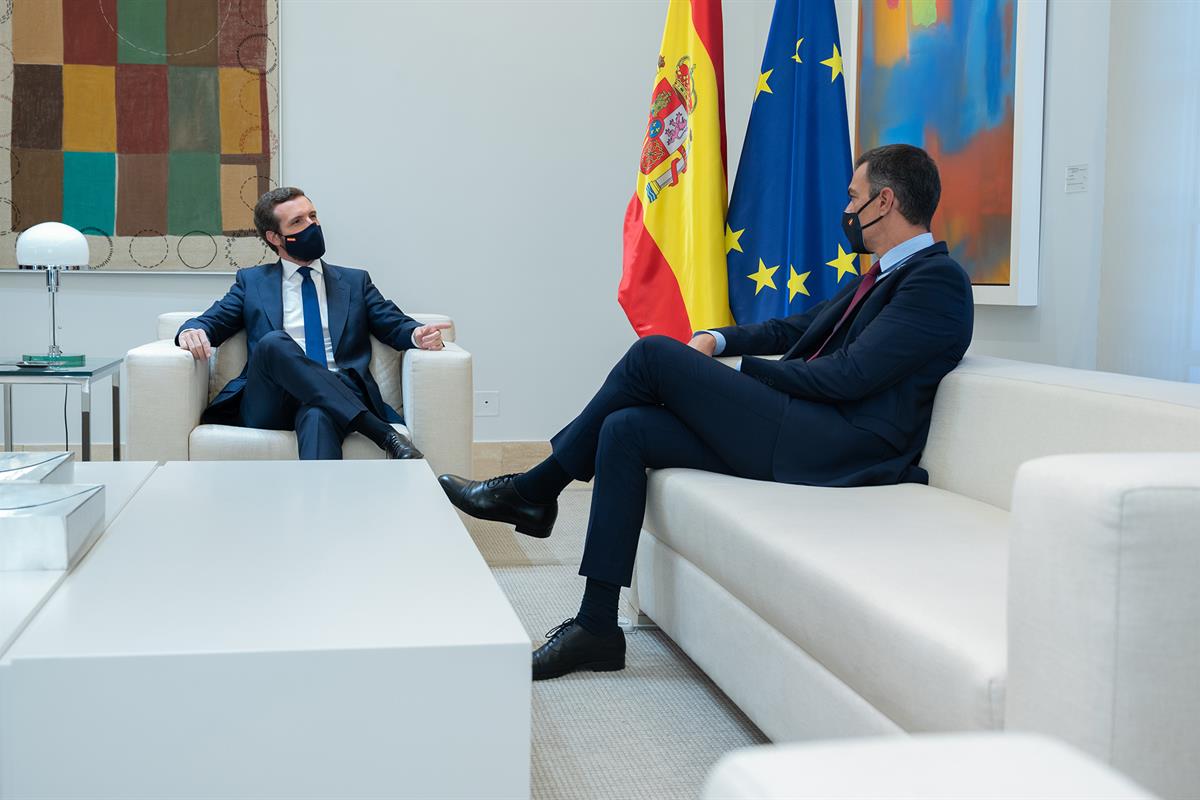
x: 649, y: 292
x: 706, y: 19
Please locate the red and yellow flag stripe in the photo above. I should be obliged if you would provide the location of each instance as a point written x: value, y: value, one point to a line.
x: 674, y: 275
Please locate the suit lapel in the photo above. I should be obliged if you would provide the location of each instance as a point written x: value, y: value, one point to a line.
x: 337, y: 296
x: 270, y: 292
x: 821, y: 326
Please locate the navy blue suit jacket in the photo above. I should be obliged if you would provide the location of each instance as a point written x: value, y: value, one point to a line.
x: 880, y: 371
x: 356, y: 310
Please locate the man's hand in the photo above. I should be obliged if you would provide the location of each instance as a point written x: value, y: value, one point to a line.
x: 704, y: 342
x: 429, y: 337
x: 195, y: 341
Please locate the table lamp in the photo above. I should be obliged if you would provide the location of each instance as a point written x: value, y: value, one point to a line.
x: 53, y: 246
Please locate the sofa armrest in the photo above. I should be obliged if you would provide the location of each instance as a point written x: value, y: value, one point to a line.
x: 167, y: 391
x: 1104, y: 610
x: 735, y: 362
x: 439, y: 406
x: 938, y: 767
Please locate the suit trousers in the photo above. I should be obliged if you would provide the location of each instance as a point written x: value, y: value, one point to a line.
x: 287, y: 390
x: 667, y: 405
x: 663, y: 405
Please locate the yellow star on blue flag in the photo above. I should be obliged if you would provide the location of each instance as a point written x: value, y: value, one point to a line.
x: 764, y: 277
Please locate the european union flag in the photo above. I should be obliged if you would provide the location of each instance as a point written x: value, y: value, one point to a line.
x: 785, y: 250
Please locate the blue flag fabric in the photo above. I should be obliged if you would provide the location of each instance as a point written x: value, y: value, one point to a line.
x: 785, y: 250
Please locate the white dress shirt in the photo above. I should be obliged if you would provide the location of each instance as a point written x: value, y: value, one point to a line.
x: 293, y: 305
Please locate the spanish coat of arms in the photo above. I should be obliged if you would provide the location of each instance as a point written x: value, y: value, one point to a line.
x: 668, y: 135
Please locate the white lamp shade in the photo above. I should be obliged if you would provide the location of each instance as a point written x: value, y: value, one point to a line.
x: 52, y: 244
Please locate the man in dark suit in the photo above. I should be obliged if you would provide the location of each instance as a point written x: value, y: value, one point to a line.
x: 849, y: 403
x: 308, y: 337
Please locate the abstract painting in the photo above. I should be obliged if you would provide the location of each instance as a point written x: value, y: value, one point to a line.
x: 152, y: 126
x: 964, y: 80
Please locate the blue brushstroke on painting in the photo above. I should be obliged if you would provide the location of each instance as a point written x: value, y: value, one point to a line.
x: 984, y: 91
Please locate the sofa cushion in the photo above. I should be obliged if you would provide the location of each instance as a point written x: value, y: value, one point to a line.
x: 231, y: 443
x: 991, y: 415
x: 899, y: 591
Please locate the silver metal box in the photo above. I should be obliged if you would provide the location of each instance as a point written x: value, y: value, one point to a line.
x: 39, y: 467
x: 47, y: 526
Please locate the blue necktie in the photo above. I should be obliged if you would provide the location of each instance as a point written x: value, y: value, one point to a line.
x: 314, y: 332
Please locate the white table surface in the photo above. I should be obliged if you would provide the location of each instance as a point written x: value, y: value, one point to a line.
x: 23, y: 593
x: 224, y: 556
x: 273, y: 629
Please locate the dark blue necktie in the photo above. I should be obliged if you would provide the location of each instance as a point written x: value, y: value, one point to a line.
x: 314, y: 331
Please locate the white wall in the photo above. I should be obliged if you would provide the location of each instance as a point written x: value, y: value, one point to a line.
x: 508, y: 134
x: 476, y: 157
x: 1061, y: 329
x: 1149, y: 315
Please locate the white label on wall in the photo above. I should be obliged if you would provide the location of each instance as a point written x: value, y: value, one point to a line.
x: 1077, y: 178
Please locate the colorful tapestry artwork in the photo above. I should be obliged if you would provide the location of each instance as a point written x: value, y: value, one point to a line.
x: 942, y: 74
x: 149, y: 125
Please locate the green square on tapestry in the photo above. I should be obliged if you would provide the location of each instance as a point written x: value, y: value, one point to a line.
x: 193, y: 193
x: 194, y: 103
x: 89, y: 190
x: 141, y: 31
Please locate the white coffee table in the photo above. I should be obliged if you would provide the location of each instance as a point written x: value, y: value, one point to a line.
x: 23, y: 593
x: 273, y: 629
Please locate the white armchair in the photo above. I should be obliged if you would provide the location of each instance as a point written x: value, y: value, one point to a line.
x: 167, y: 390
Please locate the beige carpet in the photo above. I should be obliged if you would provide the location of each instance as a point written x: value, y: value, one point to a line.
x: 651, y: 731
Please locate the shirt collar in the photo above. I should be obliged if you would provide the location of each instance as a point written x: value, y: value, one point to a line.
x: 290, y: 268
x: 904, y: 251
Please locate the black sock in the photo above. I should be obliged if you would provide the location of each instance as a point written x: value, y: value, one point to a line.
x: 544, y: 483
x: 598, y: 611
x: 372, y: 427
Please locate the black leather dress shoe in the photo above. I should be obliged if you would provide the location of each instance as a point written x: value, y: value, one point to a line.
x: 571, y: 646
x: 397, y: 446
x: 498, y: 500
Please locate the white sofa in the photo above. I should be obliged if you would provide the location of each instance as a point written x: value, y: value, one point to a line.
x: 1018, y: 591
x: 167, y: 390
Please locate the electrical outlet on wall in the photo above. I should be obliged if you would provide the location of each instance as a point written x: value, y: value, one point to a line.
x: 487, y: 404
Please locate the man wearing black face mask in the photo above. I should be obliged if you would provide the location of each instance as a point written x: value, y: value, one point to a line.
x: 848, y: 405
x: 308, y: 326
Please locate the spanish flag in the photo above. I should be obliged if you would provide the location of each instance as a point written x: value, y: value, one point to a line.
x: 674, y: 274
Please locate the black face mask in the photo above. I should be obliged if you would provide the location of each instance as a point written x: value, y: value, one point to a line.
x: 307, y: 245
x: 852, y: 226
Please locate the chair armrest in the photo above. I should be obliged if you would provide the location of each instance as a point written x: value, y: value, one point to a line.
x: 439, y: 406
x: 1104, y: 610
x: 448, y: 335
x: 167, y: 391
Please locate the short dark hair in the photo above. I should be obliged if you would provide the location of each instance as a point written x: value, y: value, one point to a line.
x: 911, y: 174
x: 264, y: 210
